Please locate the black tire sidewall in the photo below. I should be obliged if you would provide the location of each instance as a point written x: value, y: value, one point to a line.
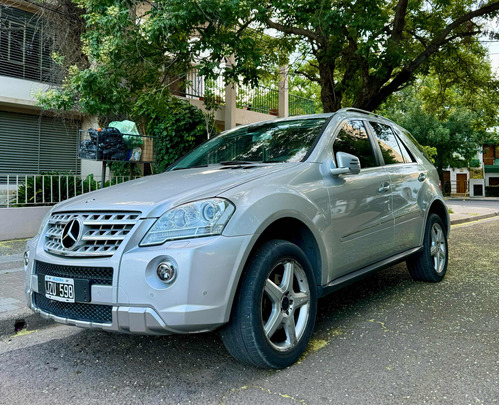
x: 428, y: 263
x: 251, y: 292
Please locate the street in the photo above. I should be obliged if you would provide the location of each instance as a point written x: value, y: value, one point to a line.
x: 386, y: 339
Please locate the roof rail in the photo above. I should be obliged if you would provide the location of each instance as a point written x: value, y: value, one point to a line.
x: 359, y: 110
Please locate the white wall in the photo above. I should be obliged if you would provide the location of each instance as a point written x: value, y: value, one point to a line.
x: 17, y: 223
x: 19, y: 92
x: 472, y: 182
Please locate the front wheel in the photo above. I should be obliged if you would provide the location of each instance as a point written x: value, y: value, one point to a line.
x: 431, y: 264
x: 275, y: 309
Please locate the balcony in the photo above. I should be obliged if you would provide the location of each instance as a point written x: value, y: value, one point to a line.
x: 240, y: 104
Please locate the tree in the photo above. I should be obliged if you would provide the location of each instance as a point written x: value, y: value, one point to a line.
x: 121, y: 71
x: 360, y: 52
x: 455, y: 130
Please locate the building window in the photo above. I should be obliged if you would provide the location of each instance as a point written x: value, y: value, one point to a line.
x: 25, y: 50
x: 493, y: 181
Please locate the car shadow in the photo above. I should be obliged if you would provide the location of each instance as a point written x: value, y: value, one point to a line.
x: 184, y: 366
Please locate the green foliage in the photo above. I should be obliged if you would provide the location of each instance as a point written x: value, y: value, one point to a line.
x: 129, y: 76
x: 452, y: 129
x: 122, y: 169
x: 35, y: 190
x: 177, y: 125
x: 358, y: 53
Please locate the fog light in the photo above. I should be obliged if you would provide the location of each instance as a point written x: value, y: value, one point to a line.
x: 26, y: 258
x: 166, y: 271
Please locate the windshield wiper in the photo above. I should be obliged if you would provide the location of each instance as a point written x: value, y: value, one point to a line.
x: 237, y: 162
x: 190, y: 167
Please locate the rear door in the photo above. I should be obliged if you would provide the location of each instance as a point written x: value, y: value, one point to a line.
x: 407, y: 177
x: 361, y: 217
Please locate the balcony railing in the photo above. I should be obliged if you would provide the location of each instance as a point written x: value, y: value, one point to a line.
x: 48, y: 189
x: 192, y: 85
x: 299, y: 105
x: 258, y: 98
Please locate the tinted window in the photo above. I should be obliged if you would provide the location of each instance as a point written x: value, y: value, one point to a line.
x: 404, y: 150
x: 389, y: 147
x: 285, y: 141
x: 353, y: 139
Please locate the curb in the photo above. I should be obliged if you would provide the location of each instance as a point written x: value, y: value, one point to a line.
x: 472, y: 219
x: 22, y: 319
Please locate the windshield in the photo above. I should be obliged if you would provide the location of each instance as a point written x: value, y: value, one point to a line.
x: 286, y: 141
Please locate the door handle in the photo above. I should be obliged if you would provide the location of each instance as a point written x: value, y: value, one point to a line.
x: 384, y: 187
x: 421, y: 177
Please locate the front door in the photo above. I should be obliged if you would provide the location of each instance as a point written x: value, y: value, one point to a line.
x: 461, y: 183
x: 361, y: 214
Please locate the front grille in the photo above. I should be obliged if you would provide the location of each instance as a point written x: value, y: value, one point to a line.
x: 75, y: 311
x: 96, y: 275
x: 101, y: 233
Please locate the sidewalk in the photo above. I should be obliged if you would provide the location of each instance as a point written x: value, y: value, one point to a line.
x: 14, y: 313
x: 460, y: 213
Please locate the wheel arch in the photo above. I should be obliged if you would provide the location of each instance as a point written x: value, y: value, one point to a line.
x: 439, y: 208
x: 292, y: 230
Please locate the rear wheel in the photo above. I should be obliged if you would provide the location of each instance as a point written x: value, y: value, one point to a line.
x: 431, y: 264
x: 274, y: 312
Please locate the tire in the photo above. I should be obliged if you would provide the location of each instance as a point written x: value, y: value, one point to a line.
x: 431, y: 264
x: 274, y: 311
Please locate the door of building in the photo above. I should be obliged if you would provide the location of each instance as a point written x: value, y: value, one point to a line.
x: 446, y: 182
x: 461, y: 183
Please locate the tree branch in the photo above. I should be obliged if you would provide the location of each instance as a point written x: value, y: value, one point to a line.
x: 399, y: 21
x: 307, y: 76
x: 441, y: 38
x: 407, y: 72
x: 294, y: 30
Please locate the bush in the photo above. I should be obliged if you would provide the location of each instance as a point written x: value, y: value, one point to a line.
x: 491, y: 191
x: 176, y: 125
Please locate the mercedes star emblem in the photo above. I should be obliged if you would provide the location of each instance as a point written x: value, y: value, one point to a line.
x: 71, y: 233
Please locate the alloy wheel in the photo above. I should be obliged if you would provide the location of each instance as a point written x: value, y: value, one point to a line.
x: 438, y: 248
x: 285, y: 305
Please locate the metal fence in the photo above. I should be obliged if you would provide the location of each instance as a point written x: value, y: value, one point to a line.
x: 192, y: 85
x: 259, y: 98
x: 299, y: 105
x: 48, y: 189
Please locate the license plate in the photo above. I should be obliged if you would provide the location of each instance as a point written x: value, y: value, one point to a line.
x: 60, y: 289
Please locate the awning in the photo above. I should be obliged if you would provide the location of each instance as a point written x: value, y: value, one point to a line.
x: 491, y: 168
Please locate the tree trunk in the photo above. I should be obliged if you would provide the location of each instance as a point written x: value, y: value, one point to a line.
x: 329, y: 97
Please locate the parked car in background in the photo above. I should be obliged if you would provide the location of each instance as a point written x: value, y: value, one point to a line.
x: 244, y: 234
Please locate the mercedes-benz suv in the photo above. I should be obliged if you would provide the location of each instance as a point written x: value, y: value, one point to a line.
x: 244, y: 234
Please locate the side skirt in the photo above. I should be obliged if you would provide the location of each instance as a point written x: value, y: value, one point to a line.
x: 347, y: 279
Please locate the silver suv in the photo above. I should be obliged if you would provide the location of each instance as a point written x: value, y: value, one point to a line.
x: 244, y: 234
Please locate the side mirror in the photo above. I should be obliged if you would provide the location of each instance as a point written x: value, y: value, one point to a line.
x: 347, y: 164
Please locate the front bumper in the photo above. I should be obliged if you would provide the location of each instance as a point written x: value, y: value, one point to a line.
x: 198, y: 300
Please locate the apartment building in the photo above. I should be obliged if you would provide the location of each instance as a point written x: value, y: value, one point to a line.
x: 31, y: 141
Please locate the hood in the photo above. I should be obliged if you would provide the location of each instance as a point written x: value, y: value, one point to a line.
x: 153, y: 195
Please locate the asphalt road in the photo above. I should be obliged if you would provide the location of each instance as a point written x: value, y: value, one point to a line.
x: 385, y: 340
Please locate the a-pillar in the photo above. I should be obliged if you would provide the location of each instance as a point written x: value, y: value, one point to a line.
x: 230, y: 102
x: 283, y: 92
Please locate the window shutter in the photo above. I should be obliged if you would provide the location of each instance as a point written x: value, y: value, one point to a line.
x: 31, y: 144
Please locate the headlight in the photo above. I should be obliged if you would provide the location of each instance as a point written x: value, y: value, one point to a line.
x: 193, y: 220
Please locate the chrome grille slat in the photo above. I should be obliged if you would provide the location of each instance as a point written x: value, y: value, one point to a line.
x: 103, y: 232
